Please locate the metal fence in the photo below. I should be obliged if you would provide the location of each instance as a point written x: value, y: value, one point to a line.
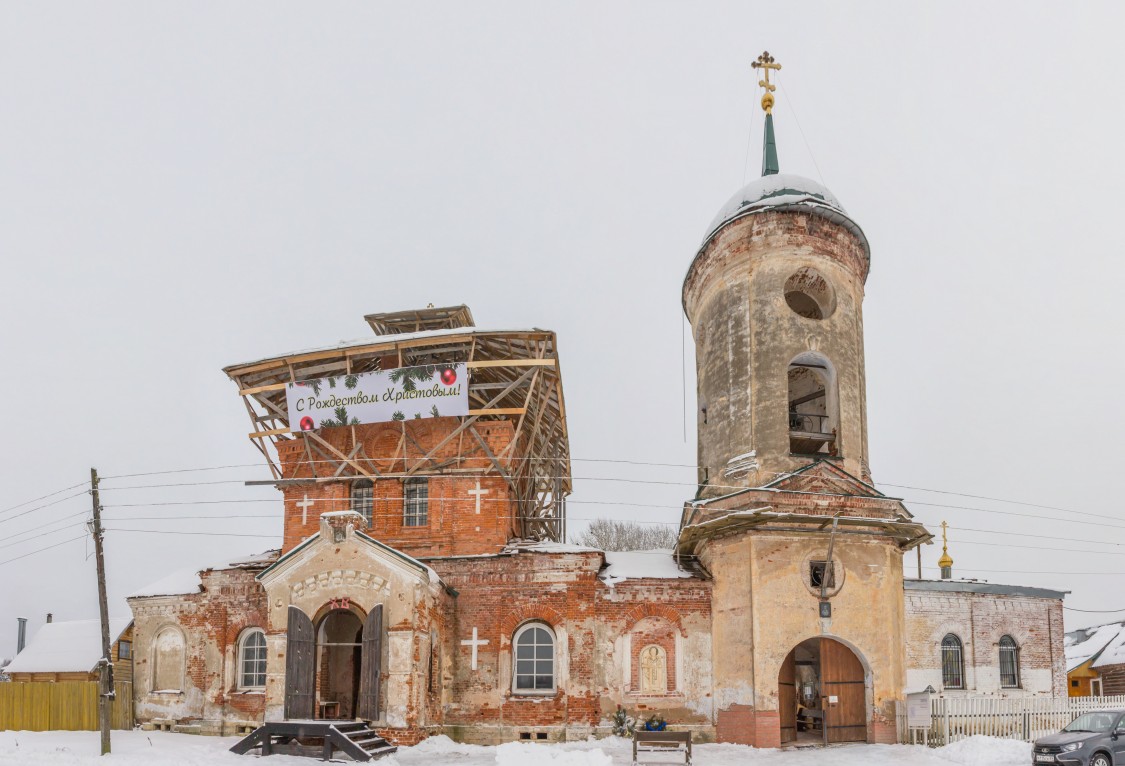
x: 1021, y: 718
x: 63, y: 705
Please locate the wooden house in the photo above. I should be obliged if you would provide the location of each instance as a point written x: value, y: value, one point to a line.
x: 70, y: 651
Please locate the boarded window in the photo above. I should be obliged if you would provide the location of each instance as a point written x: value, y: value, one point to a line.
x: 1009, y: 663
x: 820, y: 574
x: 252, y: 660
x: 363, y: 499
x: 535, y: 659
x: 168, y: 658
x: 416, y: 500
x: 952, y: 663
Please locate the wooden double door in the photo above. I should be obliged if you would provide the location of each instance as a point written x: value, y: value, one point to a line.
x: 301, y: 666
x: 841, y: 685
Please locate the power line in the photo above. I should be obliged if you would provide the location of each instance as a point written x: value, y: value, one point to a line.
x: 41, y: 507
x: 44, y: 497
x: 40, y: 550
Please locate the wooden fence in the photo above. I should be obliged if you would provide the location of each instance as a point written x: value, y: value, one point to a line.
x: 1022, y: 718
x: 65, y: 705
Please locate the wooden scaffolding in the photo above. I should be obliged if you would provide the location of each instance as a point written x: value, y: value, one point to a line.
x: 514, y: 375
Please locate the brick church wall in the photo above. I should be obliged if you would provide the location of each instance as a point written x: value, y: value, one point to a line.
x: 598, y: 630
x: 453, y: 528
x: 209, y: 624
x: 979, y: 620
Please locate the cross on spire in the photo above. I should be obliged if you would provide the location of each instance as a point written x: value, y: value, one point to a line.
x: 766, y: 62
x: 945, y: 563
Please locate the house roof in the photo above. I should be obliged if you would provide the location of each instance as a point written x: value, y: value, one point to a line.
x: 1086, y: 644
x: 187, y: 581
x: 1114, y: 651
x: 969, y: 586
x: 74, y: 646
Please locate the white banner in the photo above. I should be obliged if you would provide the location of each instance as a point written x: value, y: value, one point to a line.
x: 405, y: 393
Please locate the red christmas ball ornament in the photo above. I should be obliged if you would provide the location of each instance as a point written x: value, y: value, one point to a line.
x: 307, y: 423
x: 449, y: 376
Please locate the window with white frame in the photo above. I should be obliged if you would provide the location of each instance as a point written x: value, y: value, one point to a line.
x: 252, y: 660
x: 952, y: 663
x: 363, y: 498
x: 534, y: 652
x: 416, y: 501
x: 1009, y: 663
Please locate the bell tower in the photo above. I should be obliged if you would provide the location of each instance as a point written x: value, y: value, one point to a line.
x: 775, y: 300
x: 806, y: 555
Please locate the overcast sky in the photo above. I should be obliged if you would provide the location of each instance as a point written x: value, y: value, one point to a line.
x: 185, y: 186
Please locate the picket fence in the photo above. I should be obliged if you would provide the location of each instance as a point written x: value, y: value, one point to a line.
x: 1023, y: 718
x: 65, y: 705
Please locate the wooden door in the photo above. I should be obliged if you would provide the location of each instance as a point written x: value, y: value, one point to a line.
x: 842, y: 676
x: 300, y: 666
x: 371, y: 665
x: 787, y: 698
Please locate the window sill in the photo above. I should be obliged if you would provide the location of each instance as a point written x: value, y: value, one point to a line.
x: 260, y: 690
x: 534, y: 695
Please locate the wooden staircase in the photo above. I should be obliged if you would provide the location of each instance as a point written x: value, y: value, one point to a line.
x: 316, y: 739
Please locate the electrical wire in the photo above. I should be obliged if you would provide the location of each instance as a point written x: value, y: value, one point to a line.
x: 43, y: 497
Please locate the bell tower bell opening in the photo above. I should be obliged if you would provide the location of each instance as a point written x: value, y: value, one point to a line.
x: 812, y: 406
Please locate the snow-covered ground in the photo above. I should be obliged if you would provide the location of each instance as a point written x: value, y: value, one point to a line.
x: 163, y: 749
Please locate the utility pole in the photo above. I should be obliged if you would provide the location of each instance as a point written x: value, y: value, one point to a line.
x: 106, y: 692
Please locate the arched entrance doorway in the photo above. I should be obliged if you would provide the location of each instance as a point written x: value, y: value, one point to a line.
x: 333, y: 663
x: 339, y: 644
x: 822, y: 694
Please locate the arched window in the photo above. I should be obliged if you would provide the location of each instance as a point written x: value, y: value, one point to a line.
x: 812, y: 406
x: 252, y: 660
x: 363, y: 498
x: 534, y: 660
x: 1009, y: 663
x: 168, y: 661
x: 416, y: 501
x: 952, y: 663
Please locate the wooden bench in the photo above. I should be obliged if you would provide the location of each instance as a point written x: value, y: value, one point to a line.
x: 662, y: 742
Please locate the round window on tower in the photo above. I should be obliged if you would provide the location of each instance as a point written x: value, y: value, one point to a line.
x: 809, y: 294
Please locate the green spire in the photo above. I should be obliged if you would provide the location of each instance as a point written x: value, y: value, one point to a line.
x: 769, y: 150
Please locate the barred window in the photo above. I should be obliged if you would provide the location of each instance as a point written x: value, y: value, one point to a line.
x: 252, y: 660
x: 1009, y: 663
x: 363, y: 499
x: 535, y: 659
x: 416, y: 500
x: 952, y: 663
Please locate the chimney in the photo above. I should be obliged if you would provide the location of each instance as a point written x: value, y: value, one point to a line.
x: 50, y: 618
x: 21, y: 634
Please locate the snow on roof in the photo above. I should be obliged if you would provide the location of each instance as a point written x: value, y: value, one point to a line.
x: 374, y: 340
x: 536, y: 546
x: 180, y: 582
x: 74, y: 646
x: 1096, y: 640
x: 772, y: 191
x: 639, y: 565
x: 1114, y: 652
x: 186, y: 581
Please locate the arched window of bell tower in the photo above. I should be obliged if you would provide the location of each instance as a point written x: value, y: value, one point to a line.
x: 812, y: 406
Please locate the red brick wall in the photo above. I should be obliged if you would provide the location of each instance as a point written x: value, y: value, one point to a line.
x: 212, y: 621
x: 453, y: 528
x: 742, y: 725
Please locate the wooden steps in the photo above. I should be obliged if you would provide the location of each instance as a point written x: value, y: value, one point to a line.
x: 316, y: 739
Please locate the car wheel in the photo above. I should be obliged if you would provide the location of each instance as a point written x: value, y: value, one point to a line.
x: 1101, y: 759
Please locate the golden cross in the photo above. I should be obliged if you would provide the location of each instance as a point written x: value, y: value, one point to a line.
x: 766, y: 62
x: 944, y: 541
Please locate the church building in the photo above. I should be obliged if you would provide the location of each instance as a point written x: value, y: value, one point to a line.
x: 424, y: 584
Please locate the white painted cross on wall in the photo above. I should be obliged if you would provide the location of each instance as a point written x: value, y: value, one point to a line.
x: 304, y: 506
x: 478, y: 492
x: 475, y: 643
